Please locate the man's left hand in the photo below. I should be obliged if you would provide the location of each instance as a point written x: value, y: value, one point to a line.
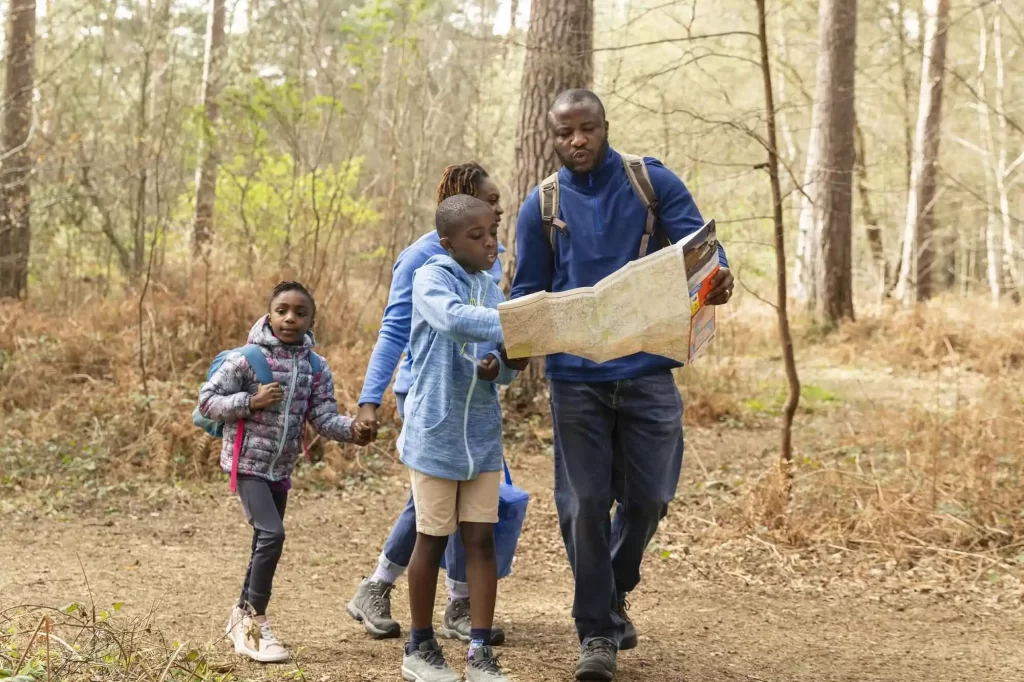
x: 721, y: 288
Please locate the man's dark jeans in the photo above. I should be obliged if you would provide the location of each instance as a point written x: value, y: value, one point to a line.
x: 618, y: 442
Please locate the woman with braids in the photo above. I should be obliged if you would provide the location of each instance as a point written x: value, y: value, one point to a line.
x: 266, y: 422
x: 372, y: 602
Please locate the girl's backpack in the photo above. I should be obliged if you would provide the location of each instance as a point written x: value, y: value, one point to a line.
x: 254, y: 356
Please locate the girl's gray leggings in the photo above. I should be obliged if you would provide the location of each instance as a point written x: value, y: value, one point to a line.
x: 264, y: 506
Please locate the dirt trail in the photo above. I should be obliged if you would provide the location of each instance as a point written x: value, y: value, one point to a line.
x: 182, y: 551
x: 701, y: 616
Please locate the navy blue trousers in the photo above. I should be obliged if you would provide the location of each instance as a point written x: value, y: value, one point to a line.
x: 617, y: 443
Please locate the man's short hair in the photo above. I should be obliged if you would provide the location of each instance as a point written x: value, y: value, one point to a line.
x: 453, y: 211
x: 577, y: 96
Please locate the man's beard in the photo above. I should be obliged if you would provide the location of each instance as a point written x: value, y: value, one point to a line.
x: 569, y: 163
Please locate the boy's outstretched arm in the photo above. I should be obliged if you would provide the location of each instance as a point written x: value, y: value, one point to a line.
x: 323, y: 412
x: 223, y: 397
x: 433, y: 295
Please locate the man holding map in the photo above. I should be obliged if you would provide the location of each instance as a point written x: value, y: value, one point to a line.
x: 618, y: 434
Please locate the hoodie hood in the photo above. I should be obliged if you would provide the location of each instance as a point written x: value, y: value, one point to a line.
x: 452, y: 266
x: 261, y: 334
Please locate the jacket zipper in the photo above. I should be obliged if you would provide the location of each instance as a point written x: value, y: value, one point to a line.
x: 472, y: 389
x: 594, y: 205
x: 287, y: 414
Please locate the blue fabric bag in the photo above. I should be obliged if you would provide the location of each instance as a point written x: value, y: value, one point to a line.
x: 512, y: 502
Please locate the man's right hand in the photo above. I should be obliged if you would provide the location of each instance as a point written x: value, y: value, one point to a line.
x: 367, y: 418
x: 267, y: 395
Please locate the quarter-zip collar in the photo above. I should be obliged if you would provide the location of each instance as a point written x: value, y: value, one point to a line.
x: 590, y: 183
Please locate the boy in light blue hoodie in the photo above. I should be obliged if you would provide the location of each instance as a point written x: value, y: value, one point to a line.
x: 451, y: 436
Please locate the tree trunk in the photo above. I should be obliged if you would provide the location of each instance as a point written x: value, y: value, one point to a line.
x: 16, y: 162
x: 559, y: 56
x: 826, y: 259
x: 915, y: 280
x: 993, y: 255
x: 206, y: 174
x: 872, y: 229
x: 1012, y: 275
x: 785, y: 337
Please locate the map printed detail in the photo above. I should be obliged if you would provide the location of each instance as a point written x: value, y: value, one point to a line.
x: 655, y: 305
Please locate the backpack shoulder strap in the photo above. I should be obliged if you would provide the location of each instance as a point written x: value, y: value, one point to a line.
x: 548, y: 194
x: 258, y: 361
x: 316, y: 362
x: 640, y: 179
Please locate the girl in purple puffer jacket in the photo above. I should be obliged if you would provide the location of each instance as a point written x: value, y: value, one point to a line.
x: 272, y: 418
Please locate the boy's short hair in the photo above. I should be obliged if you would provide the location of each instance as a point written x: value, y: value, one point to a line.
x: 453, y: 211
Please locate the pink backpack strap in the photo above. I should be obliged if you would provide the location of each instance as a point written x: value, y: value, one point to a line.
x: 236, y: 453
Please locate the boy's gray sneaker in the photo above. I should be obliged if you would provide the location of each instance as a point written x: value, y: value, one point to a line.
x: 456, y: 624
x: 372, y: 607
x: 597, y: 660
x: 427, y: 664
x: 629, y: 639
x: 482, y: 666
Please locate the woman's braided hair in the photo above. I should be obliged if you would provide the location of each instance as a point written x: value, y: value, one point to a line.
x: 464, y: 178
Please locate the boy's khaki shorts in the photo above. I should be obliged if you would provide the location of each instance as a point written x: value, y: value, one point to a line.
x: 441, y: 504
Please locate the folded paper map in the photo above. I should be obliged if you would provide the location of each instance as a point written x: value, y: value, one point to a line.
x: 653, y: 305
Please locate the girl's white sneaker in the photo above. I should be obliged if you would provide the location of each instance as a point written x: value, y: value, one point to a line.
x: 252, y: 637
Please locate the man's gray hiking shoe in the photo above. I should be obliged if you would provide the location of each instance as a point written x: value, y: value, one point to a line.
x: 597, y: 660
x: 629, y: 639
x: 427, y: 664
x: 482, y: 666
x: 372, y: 607
x: 456, y: 624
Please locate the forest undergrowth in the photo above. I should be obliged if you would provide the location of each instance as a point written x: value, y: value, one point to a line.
x: 907, y: 439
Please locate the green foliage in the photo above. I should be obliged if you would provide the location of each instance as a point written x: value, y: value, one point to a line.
x: 771, y: 398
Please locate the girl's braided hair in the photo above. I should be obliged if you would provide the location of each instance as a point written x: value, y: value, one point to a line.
x: 464, y: 178
x: 283, y: 287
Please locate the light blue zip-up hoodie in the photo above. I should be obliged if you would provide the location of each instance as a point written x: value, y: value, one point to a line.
x: 452, y: 426
x: 393, y: 338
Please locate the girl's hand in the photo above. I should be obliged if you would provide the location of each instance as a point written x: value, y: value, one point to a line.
x: 267, y: 395
x: 488, y: 368
x: 362, y: 434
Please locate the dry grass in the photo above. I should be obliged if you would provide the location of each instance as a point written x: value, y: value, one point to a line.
x: 894, y: 477
x: 81, y: 643
x: 75, y: 400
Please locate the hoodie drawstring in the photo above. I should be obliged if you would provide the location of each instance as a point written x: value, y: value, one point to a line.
x: 472, y: 388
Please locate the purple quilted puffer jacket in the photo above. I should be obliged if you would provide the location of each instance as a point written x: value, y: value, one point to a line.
x: 272, y: 438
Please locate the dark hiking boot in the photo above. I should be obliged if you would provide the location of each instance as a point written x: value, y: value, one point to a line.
x: 629, y: 639
x: 597, y: 660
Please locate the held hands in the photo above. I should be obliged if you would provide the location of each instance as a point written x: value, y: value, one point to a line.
x: 362, y: 434
x: 721, y: 287
x: 365, y: 425
x: 266, y: 395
